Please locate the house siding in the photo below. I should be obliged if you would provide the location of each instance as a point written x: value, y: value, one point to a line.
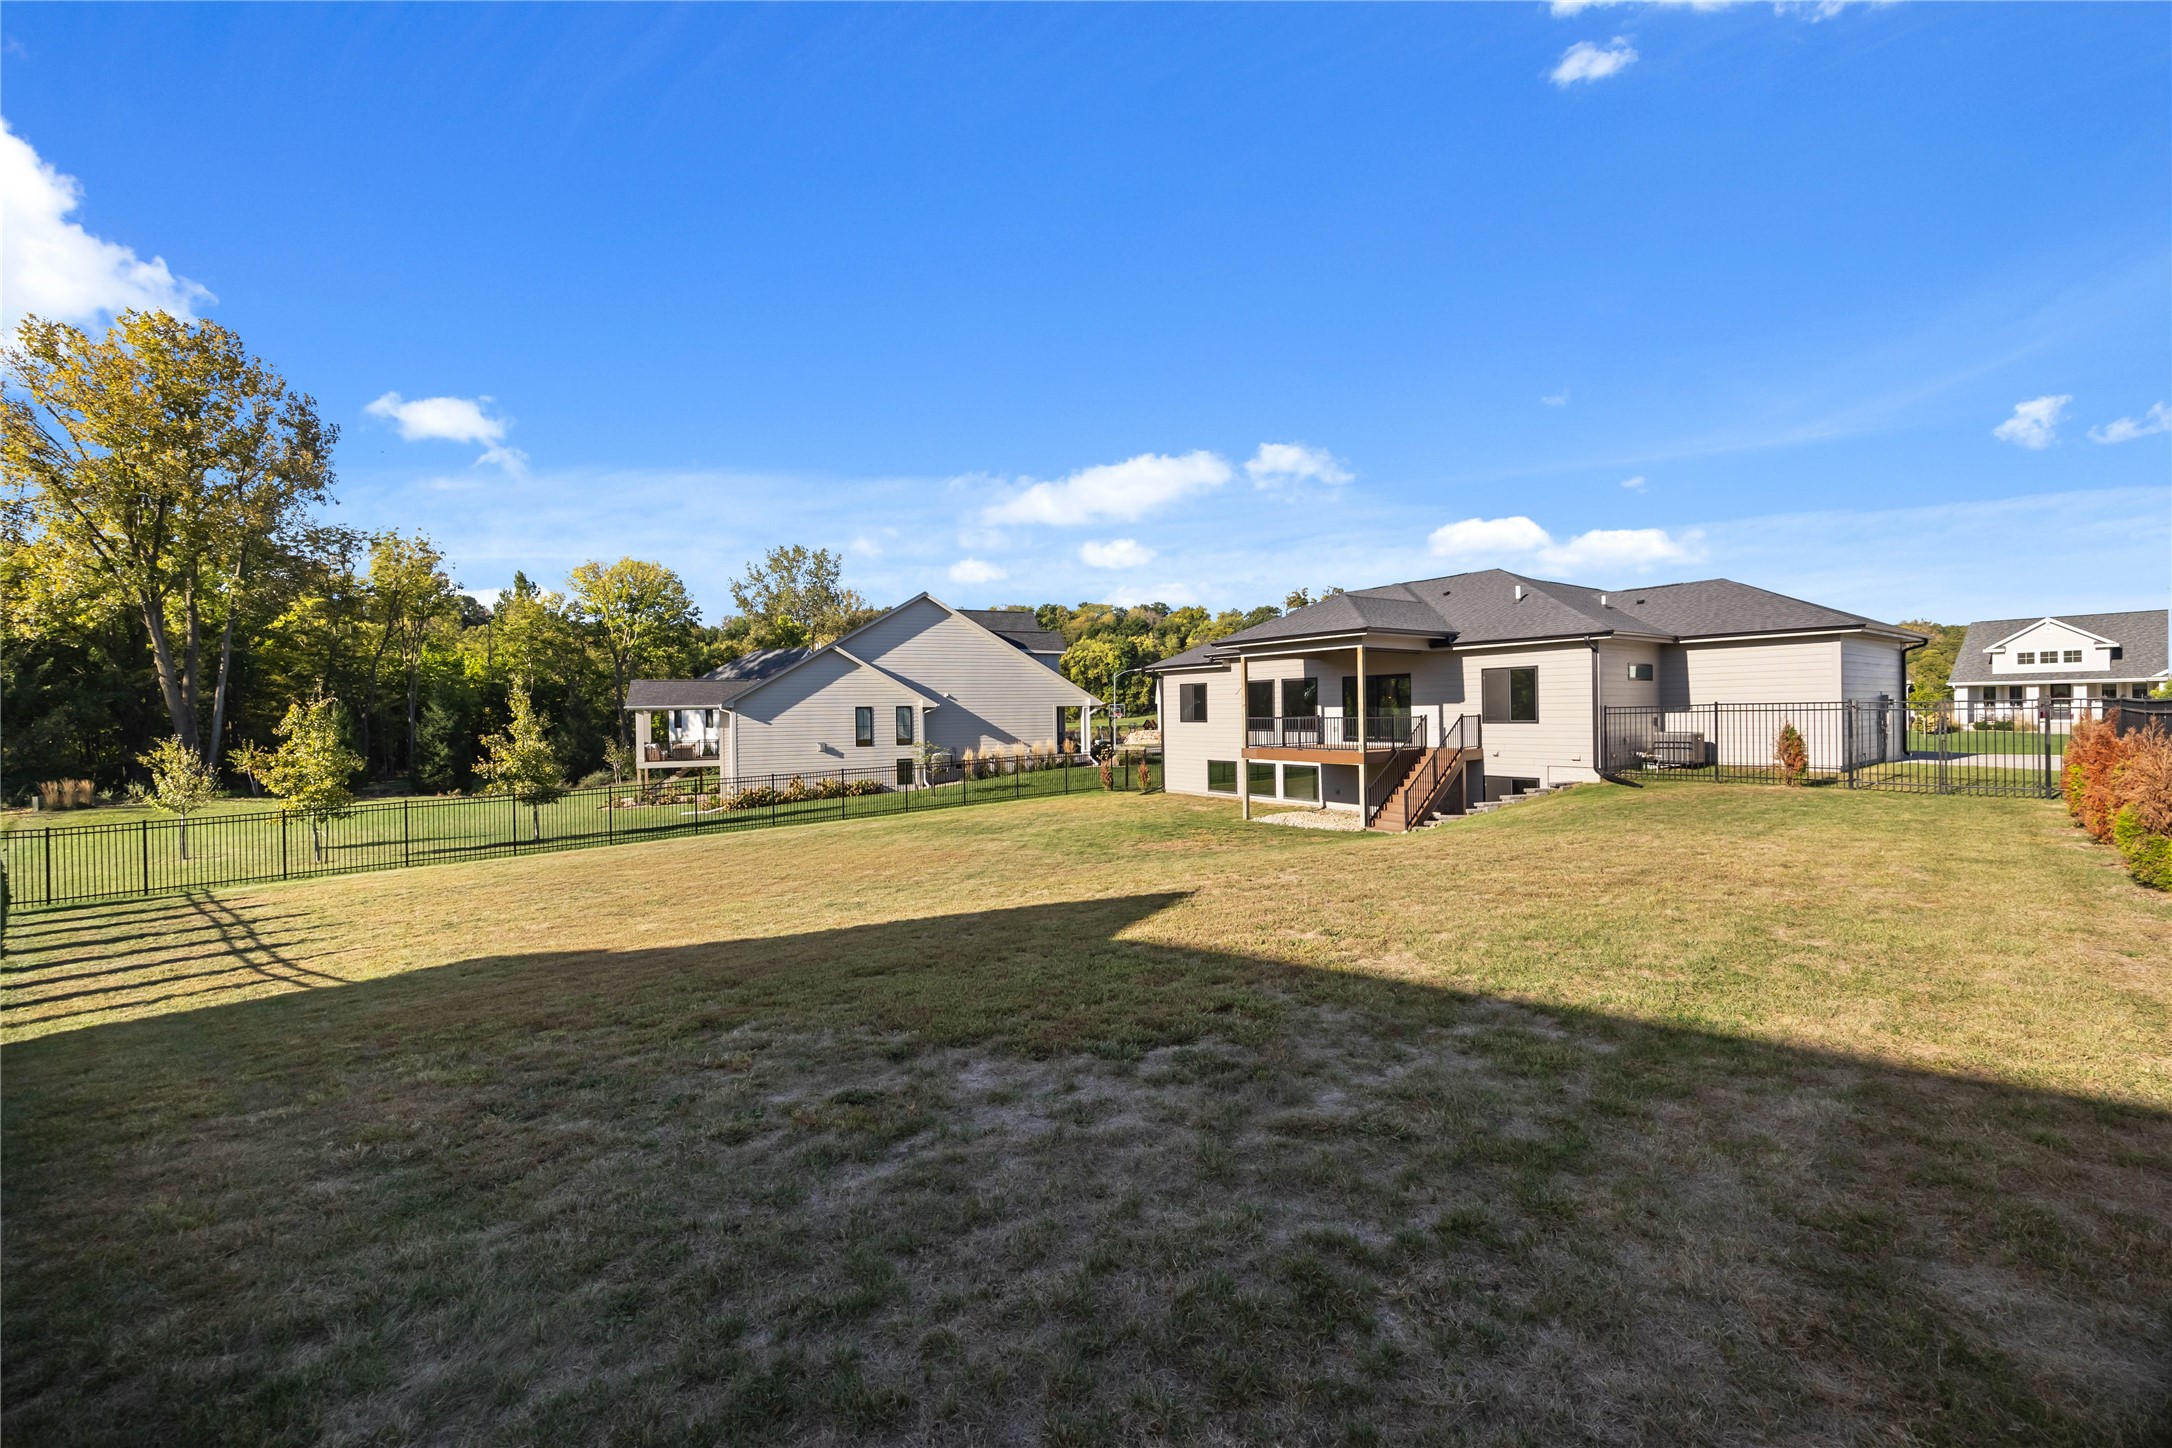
x: 1869, y: 668
x: 803, y: 723
x: 1787, y: 671
x: 992, y: 692
x: 1186, y: 747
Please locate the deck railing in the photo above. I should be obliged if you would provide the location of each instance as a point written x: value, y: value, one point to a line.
x: 679, y: 751
x: 1332, y: 731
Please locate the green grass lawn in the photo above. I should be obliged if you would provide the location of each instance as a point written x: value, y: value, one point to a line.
x: 1682, y: 1114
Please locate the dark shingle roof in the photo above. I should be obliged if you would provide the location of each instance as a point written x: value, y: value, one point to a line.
x: 718, y: 687
x: 1022, y: 629
x: 1483, y: 607
x: 2141, y: 636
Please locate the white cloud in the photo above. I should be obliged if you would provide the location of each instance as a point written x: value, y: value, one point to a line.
x: 2035, y: 423
x: 1586, y: 61
x: 1635, y: 484
x: 451, y: 419
x: 974, y: 570
x: 1116, y: 553
x: 1277, y: 463
x: 1475, y: 536
x: 53, y: 268
x: 1555, y: 399
x: 1118, y: 492
x: 1600, y: 548
x: 2127, y: 429
x: 864, y: 547
x: 1634, y: 548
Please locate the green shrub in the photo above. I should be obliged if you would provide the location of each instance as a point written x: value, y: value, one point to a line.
x: 2148, y: 855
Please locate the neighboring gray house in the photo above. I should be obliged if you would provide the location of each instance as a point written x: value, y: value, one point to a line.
x: 2059, y: 662
x: 1273, y: 711
x: 922, y: 673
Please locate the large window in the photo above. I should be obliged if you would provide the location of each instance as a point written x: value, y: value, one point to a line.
x: 1301, y: 781
x: 1385, y: 694
x: 1192, y: 707
x: 863, y: 727
x: 1259, y: 778
x: 904, y: 723
x: 1222, y: 776
x: 1300, y: 698
x: 1509, y: 696
x: 1259, y: 699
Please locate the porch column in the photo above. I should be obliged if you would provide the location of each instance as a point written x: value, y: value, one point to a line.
x: 1244, y: 735
x: 1364, y: 810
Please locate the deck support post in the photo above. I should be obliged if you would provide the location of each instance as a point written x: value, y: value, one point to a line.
x: 1244, y: 735
x: 1365, y: 814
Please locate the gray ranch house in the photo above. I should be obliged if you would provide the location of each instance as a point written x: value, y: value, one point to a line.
x: 2059, y: 664
x: 1487, y: 684
x: 923, y: 673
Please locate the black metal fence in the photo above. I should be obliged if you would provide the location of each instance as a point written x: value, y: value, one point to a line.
x: 1947, y: 748
x: 69, y: 864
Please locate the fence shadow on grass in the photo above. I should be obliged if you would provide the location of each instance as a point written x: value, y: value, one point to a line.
x: 77, y: 962
x: 1012, y: 1173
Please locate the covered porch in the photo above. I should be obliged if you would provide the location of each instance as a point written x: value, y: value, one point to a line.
x: 1348, y: 702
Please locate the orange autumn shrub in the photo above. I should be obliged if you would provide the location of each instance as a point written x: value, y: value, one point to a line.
x: 2094, y: 751
x: 2142, y: 782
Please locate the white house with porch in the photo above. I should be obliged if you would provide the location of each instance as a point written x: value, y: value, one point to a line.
x: 2060, y: 665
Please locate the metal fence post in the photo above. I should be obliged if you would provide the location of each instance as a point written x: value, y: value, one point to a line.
x: 407, y: 836
x: 146, y: 836
x: 841, y: 795
x: 282, y: 842
x: 2049, y: 793
x: 46, y: 835
x: 1715, y: 741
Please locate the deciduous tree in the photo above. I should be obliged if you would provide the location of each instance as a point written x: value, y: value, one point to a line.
x: 163, y: 462
x: 312, y: 771
x: 801, y: 589
x: 644, y: 619
x: 182, y: 782
x: 520, y: 761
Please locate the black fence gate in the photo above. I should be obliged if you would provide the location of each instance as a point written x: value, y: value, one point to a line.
x: 1946, y: 748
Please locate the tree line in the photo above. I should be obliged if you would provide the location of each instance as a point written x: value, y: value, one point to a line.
x: 171, y: 580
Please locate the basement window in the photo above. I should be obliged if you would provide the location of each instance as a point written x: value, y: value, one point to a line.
x: 1221, y: 775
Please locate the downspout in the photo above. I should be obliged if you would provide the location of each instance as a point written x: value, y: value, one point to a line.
x: 1598, y: 716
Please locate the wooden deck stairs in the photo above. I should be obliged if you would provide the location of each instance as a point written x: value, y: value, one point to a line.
x: 1432, y: 781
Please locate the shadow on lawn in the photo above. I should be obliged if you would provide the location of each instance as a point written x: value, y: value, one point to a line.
x: 765, y: 1187
x: 89, y: 959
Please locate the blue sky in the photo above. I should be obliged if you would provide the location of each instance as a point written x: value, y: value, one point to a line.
x: 1196, y: 303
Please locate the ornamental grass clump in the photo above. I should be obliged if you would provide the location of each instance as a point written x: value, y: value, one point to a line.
x: 1791, y: 754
